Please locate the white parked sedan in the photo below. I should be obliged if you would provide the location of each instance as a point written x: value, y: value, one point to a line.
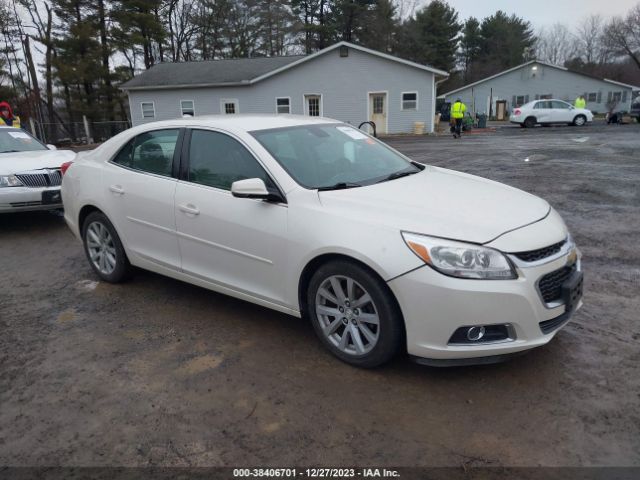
x: 314, y: 218
x: 29, y: 172
x: 548, y: 112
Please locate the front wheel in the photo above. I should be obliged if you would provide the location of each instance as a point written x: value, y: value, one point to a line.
x: 354, y: 314
x: 104, y: 249
x: 580, y: 120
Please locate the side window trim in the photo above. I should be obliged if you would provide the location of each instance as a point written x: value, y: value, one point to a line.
x: 184, y: 160
x: 175, y: 162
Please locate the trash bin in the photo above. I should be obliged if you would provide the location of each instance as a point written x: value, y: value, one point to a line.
x: 418, y: 128
x: 482, y: 121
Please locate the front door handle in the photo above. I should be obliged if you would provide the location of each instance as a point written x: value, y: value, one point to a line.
x: 189, y: 209
x: 117, y: 189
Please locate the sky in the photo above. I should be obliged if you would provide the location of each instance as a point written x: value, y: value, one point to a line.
x: 543, y: 12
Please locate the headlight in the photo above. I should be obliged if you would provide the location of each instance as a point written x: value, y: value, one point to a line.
x: 457, y: 259
x: 10, y: 181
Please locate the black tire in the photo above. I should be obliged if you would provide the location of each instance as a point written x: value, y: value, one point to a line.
x: 580, y: 121
x: 530, y: 122
x: 391, y: 325
x: 123, y: 269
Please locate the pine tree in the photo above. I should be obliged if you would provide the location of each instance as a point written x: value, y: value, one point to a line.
x: 431, y: 37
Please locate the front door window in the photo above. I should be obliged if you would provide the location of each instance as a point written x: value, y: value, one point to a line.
x: 313, y: 105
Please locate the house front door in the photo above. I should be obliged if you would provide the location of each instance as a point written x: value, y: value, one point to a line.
x: 378, y: 111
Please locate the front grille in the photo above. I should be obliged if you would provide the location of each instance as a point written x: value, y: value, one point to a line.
x: 549, y: 326
x: 49, y: 178
x: 539, y: 254
x: 550, y: 285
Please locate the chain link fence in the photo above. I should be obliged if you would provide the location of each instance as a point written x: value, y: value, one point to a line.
x: 76, y: 133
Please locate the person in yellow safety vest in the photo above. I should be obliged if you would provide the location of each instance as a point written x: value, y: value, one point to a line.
x: 6, y: 116
x: 580, y: 102
x: 457, y: 114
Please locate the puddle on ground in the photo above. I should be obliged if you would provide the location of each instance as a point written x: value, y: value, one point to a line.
x: 536, y: 157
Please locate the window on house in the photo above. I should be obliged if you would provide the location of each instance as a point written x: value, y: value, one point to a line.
x: 410, y: 101
x: 148, y: 109
x: 617, y: 96
x: 313, y: 105
x: 186, y: 107
x: 378, y: 105
x: 229, y: 106
x: 546, y: 96
x: 283, y: 105
x: 592, y: 97
x: 521, y: 99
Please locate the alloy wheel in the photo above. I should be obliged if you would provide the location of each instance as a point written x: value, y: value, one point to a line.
x: 101, y: 248
x: 347, y: 315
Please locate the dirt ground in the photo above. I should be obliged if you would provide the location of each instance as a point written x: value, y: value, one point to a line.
x: 158, y: 372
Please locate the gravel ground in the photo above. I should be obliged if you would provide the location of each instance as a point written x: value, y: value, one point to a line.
x: 158, y: 372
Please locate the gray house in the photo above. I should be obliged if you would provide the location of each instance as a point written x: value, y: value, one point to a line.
x: 344, y: 81
x: 499, y: 94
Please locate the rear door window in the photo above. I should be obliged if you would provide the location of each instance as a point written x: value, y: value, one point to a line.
x: 150, y: 152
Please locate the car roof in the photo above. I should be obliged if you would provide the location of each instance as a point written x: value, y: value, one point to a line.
x: 241, y: 122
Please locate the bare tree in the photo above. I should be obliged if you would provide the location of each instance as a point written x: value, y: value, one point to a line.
x: 589, y: 40
x: 622, y: 35
x: 555, y: 44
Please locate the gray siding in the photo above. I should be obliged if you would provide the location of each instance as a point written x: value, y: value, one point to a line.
x: 344, y: 84
x: 544, y: 80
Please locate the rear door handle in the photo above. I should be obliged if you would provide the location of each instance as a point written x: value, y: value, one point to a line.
x: 117, y: 189
x: 189, y: 209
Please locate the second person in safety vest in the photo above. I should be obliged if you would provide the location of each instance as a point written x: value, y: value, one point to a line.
x: 457, y: 114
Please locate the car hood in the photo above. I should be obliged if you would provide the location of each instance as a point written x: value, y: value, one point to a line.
x: 16, y: 162
x: 442, y: 203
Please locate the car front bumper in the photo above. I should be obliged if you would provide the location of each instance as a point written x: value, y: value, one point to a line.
x: 20, y: 199
x: 434, y: 306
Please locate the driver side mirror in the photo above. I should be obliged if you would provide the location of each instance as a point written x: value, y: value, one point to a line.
x: 254, y: 188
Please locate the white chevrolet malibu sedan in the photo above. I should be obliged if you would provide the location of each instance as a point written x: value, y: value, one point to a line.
x: 316, y: 219
x: 29, y: 172
x: 548, y: 112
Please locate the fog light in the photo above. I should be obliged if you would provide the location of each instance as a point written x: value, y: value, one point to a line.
x: 475, y: 333
x: 480, y: 334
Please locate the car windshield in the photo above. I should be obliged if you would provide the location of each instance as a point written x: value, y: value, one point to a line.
x: 333, y: 156
x: 16, y: 140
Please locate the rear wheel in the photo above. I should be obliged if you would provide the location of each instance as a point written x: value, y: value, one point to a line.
x: 580, y: 120
x: 104, y: 249
x: 354, y: 314
x: 530, y: 122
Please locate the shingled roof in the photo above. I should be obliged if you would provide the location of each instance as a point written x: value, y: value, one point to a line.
x: 242, y: 71
x: 208, y: 73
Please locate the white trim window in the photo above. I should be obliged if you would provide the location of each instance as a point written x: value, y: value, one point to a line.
x: 283, y: 105
x: 148, y: 109
x: 313, y: 105
x: 187, y: 108
x: 409, y: 101
x: 229, y: 106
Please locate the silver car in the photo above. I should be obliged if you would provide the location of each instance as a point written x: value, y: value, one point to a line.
x: 29, y: 172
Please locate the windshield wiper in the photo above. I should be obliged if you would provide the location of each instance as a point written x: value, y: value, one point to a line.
x: 339, y: 186
x: 400, y: 174
x: 10, y: 151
